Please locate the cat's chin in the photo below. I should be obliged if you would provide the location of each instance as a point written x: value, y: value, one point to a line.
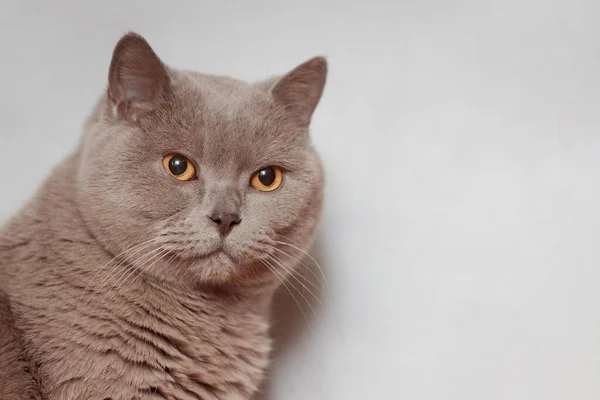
x: 211, y: 267
x: 217, y: 267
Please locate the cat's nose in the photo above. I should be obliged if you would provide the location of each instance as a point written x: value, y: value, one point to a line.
x: 225, y: 222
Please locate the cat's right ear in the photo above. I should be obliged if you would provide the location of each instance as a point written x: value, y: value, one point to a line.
x: 137, y: 79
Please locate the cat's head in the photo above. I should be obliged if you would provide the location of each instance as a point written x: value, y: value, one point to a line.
x: 202, y: 179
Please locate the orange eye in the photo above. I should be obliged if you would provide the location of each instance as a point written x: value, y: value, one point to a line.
x: 179, y: 167
x: 267, y: 179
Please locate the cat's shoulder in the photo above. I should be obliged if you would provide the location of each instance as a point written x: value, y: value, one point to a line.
x: 16, y: 376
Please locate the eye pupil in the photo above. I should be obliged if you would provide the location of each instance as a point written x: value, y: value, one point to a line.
x: 267, y: 176
x: 178, y: 165
x: 267, y: 179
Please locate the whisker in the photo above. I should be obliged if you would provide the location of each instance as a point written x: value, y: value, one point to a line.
x: 308, y: 255
x: 120, y: 274
x: 145, y: 269
x: 302, y: 294
x: 157, y: 254
x: 170, y: 260
x: 146, y: 243
x: 293, y: 273
x: 318, y: 277
x: 275, y: 272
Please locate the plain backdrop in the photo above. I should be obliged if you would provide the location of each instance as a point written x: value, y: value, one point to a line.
x: 461, y: 234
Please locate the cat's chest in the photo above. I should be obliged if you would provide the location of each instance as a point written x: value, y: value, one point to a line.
x: 228, y: 365
x: 141, y: 351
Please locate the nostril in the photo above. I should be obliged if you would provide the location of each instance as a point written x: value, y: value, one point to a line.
x: 225, y: 222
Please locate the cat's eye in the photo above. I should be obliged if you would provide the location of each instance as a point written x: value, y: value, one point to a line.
x: 267, y: 179
x: 179, y: 167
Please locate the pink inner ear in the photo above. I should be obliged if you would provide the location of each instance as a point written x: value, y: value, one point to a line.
x: 131, y: 94
x: 138, y: 89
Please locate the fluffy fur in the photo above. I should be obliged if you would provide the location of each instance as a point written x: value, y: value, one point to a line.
x: 118, y: 285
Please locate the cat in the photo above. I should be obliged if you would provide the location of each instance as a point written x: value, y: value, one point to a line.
x: 145, y: 265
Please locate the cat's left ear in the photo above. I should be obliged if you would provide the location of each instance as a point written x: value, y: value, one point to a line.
x: 137, y: 80
x: 301, y: 89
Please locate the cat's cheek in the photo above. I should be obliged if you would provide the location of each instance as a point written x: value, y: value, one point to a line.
x: 163, y: 197
x: 290, y: 204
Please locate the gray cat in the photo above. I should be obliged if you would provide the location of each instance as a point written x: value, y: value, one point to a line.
x: 145, y: 266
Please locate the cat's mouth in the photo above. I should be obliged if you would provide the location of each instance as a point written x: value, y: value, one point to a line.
x: 202, y: 256
x: 217, y: 253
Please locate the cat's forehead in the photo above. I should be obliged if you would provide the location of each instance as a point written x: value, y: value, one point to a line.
x: 223, y: 120
x: 220, y: 101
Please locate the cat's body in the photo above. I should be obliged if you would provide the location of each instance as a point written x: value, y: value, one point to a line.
x: 112, y: 295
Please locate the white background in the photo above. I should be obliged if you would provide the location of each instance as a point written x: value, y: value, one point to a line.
x: 461, y: 141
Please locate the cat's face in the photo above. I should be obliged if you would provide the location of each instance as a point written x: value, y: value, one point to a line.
x: 207, y: 176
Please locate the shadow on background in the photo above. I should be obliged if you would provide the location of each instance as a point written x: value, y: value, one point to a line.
x: 289, y: 323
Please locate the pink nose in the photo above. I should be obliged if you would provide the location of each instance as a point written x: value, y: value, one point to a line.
x: 225, y: 222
